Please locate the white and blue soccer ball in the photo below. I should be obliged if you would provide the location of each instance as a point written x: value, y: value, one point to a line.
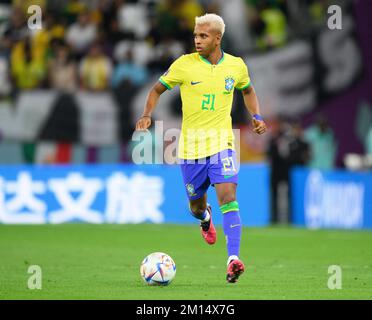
x: 158, y: 268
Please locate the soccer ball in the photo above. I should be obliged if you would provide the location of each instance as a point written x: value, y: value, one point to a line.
x: 158, y: 268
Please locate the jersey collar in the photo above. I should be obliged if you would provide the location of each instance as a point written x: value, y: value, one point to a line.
x: 208, y: 62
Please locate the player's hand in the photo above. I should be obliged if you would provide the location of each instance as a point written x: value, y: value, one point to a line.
x: 259, y: 126
x: 143, y: 123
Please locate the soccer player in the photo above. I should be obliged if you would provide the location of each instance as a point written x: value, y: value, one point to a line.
x: 207, y: 79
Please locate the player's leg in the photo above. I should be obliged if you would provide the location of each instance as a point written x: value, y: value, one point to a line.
x: 196, y: 180
x: 226, y: 193
x: 223, y: 174
x: 198, y: 208
x: 201, y: 210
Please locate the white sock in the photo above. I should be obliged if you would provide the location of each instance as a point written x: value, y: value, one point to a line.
x: 232, y: 258
x: 207, y: 216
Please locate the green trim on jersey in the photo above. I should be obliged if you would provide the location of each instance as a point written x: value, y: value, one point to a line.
x: 208, y: 62
x: 165, y: 84
x: 245, y: 87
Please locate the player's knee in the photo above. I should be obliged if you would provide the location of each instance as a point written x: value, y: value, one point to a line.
x: 198, y: 209
x: 228, y: 198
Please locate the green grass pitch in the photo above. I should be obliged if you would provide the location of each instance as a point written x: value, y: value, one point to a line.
x: 82, y: 261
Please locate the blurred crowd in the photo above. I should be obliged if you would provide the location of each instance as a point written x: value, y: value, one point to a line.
x: 99, y: 45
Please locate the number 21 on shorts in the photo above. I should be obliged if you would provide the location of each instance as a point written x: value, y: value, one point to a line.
x: 228, y: 164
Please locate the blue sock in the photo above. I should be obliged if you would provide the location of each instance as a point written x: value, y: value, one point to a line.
x: 232, y: 229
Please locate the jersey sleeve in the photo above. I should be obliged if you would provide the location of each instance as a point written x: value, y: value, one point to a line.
x: 244, y: 81
x: 173, y: 76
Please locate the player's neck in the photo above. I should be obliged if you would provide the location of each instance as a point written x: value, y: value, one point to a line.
x: 215, y: 56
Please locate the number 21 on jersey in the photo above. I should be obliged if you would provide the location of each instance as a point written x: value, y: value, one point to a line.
x: 208, y: 102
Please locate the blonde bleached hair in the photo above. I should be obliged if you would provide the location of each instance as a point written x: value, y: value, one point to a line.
x: 214, y: 20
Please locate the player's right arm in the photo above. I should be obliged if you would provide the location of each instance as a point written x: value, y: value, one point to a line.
x: 172, y: 77
x: 152, y: 100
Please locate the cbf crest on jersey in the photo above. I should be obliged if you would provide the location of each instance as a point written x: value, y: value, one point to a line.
x: 229, y: 84
x: 190, y: 189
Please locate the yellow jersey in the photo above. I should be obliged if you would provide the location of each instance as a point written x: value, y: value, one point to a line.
x: 207, y: 96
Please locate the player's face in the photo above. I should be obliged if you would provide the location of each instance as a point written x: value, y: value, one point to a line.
x: 206, y: 39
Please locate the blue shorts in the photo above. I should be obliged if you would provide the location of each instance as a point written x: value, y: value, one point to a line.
x: 201, y: 173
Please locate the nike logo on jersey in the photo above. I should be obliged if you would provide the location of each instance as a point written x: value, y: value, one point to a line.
x: 195, y: 82
x: 234, y: 225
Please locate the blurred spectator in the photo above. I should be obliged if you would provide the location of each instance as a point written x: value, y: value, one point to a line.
x: 128, y: 70
x: 317, y: 10
x: 270, y: 26
x: 110, y: 33
x: 257, y: 25
x: 170, y: 12
x: 323, y: 144
x: 185, y: 36
x: 278, y: 154
x: 16, y: 29
x: 25, y: 4
x: 5, y: 84
x: 155, y: 35
x: 81, y: 34
x: 235, y: 15
x: 188, y: 10
x: 166, y: 18
x: 116, y: 35
x: 369, y: 141
x: 142, y: 51
x: 129, y: 15
x: 73, y: 9
x: 6, y: 46
x: 108, y: 10
x: 299, y: 149
x: 124, y: 94
x: 63, y: 71
x: 42, y: 39
x: 165, y: 53
x: 95, y: 70
x: 28, y: 69
x: 299, y: 155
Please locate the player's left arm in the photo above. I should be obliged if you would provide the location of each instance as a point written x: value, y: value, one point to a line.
x: 252, y: 105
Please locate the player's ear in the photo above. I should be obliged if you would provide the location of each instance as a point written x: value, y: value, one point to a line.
x: 218, y: 37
